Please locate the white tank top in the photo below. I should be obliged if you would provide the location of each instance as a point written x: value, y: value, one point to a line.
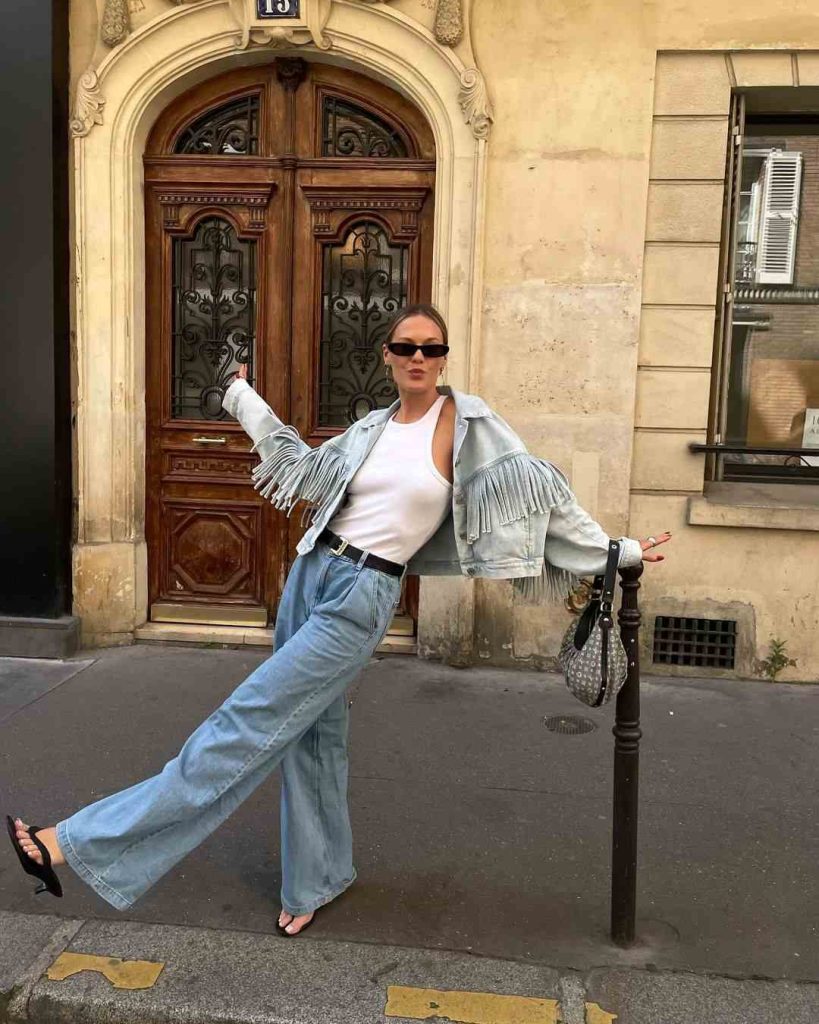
x: 397, y: 499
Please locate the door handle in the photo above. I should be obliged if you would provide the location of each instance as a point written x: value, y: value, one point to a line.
x: 210, y: 440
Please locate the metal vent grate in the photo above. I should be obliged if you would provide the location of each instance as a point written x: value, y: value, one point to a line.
x: 707, y: 643
x: 569, y: 725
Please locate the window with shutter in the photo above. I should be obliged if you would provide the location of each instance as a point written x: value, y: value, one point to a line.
x: 776, y: 255
x: 766, y: 354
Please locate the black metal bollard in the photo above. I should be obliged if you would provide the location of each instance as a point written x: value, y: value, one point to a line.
x: 626, y: 769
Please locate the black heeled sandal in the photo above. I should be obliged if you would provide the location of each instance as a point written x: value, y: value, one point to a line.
x: 282, y: 928
x: 45, y: 872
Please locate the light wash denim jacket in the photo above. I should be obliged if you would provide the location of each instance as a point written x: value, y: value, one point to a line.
x: 513, y: 515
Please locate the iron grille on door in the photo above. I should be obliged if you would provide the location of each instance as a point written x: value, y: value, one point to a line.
x: 214, y: 297
x: 231, y: 129
x: 365, y: 284
x: 350, y: 130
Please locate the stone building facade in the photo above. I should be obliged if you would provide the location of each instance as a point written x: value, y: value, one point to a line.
x: 577, y: 226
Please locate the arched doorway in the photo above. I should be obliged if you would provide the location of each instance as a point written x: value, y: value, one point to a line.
x: 288, y: 214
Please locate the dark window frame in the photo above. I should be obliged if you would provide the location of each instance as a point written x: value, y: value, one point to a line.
x: 781, y: 464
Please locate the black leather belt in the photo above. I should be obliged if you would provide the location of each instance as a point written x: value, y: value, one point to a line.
x: 341, y: 547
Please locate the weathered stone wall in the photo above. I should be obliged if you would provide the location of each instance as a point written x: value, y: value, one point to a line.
x: 604, y: 185
x: 606, y: 178
x: 736, y: 551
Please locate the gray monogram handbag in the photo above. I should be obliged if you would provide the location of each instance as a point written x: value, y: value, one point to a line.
x: 592, y: 655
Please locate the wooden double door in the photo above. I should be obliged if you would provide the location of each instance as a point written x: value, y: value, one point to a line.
x: 288, y: 216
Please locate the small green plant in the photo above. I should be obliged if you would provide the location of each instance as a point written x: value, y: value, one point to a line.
x: 777, y: 659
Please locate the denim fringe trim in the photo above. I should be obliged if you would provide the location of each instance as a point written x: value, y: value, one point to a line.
x: 512, y: 488
x: 551, y: 585
x: 294, y: 472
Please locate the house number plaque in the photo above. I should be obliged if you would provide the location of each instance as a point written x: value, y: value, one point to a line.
x: 281, y: 22
x: 277, y: 9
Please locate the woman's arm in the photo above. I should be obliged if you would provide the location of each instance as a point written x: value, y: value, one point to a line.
x: 258, y: 420
x: 290, y: 470
x: 575, y: 542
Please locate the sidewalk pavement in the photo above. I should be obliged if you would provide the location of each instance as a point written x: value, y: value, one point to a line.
x: 482, y: 846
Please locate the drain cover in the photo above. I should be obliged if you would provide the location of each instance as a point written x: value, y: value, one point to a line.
x: 569, y: 725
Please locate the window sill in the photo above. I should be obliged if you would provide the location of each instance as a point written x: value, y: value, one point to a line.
x: 760, y: 507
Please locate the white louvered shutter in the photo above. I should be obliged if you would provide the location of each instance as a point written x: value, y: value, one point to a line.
x: 776, y: 254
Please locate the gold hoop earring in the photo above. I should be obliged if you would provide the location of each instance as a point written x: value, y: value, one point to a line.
x: 388, y: 371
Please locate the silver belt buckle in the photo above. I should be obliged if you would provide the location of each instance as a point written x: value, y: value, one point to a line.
x: 340, y: 549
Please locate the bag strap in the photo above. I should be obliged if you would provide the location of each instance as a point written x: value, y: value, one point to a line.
x: 606, y: 620
x: 610, y: 577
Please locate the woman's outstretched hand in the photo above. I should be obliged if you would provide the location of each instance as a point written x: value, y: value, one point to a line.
x: 652, y: 542
x: 241, y: 373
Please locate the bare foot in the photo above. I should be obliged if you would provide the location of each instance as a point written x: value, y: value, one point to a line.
x: 293, y: 925
x: 47, y: 836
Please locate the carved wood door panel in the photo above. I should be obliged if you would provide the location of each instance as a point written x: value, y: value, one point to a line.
x: 288, y: 216
x: 207, y: 528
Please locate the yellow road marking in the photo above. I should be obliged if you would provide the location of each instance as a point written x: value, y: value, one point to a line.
x: 469, y: 1007
x: 596, y: 1015
x: 121, y: 973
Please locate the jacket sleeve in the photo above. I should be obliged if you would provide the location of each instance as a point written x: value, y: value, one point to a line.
x: 578, y: 544
x: 290, y: 470
x: 258, y: 420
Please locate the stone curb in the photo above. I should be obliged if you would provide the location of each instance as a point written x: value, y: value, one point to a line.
x: 220, y: 977
x: 28, y: 945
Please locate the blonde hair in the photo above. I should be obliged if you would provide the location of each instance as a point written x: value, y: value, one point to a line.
x: 418, y: 309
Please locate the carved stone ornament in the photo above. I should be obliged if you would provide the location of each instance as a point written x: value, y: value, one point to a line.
x: 449, y: 22
x: 115, y: 26
x: 475, y: 102
x: 87, y: 105
x: 116, y: 22
x: 308, y: 27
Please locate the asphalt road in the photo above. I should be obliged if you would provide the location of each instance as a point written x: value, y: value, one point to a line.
x: 477, y: 830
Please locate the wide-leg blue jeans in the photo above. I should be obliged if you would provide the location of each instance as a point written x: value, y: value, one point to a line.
x: 291, y: 711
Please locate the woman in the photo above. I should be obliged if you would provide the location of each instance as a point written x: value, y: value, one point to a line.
x: 437, y: 483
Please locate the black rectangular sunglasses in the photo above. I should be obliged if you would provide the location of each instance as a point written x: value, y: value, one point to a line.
x: 407, y: 348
